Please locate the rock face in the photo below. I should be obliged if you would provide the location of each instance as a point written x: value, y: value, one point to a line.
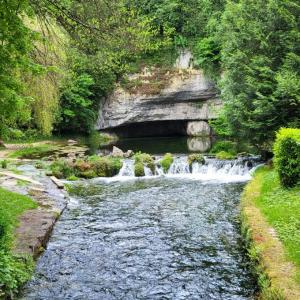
x: 186, y: 96
x: 198, y: 128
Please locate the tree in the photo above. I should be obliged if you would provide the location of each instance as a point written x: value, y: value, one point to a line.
x: 15, y: 45
x: 260, y: 43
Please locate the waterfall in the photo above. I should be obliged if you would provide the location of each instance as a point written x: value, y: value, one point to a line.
x: 213, y: 169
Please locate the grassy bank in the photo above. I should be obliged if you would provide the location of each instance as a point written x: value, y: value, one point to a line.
x: 271, y: 223
x: 14, y: 270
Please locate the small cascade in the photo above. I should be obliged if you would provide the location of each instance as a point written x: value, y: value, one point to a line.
x: 213, y: 169
x: 127, y: 169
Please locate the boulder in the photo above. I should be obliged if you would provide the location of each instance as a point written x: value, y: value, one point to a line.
x: 198, y: 128
x: 128, y: 154
x: 117, y: 152
x: 2, y: 144
x: 72, y: 142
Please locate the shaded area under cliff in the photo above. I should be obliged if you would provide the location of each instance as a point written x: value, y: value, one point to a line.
x: 151, y: 129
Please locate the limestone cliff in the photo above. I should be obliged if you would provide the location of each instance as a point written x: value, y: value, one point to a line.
x: 176, y: 95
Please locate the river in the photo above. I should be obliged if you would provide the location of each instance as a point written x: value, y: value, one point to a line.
x: 173, y: 236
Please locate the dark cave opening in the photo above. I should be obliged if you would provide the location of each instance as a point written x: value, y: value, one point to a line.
x: 151, y: 129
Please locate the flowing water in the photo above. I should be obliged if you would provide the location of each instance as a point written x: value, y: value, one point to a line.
x: 164, y: 236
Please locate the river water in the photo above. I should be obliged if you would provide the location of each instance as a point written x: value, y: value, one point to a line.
x: 170, y: 236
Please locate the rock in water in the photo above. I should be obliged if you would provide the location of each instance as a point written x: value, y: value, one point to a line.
x: 72, y: 142
x: 117, y: 152
x: 128, y: 154
x: 198, y: 128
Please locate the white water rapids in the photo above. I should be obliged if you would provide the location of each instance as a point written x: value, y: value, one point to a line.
x: 238, y: 170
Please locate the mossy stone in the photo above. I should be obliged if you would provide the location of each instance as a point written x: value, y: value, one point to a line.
x: 139, y: 169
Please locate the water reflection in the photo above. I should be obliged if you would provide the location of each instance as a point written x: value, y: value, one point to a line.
x: 158, y: 145
x: 199, y: 144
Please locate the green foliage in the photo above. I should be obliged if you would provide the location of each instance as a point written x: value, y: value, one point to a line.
x: 4, y: 164
x: 166, y: 162
x: 260, y: 59
x: 93, y: 166
x: 16, y: 43
x: 77, y: 112
x: 287, y: 156
x: 14, y: 270
x: 34, y: 151
x: 146, y: 160
x: 61, y: 169
x: 227, y: 146
x: 105, y: 166
x: 207, y: 56
x: 196, y: 157
x: 139, y: 169
x: 225, y: 155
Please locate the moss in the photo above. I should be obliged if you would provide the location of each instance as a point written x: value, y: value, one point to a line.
x: 196, y: 157
x: 94, y: 166
x: 166, y: 162
x: 146, y: 159
x: 34, y: 151
x: 139, y: 169
x: 72, y: 178
x: 225, y: 155
x: 105, y: 166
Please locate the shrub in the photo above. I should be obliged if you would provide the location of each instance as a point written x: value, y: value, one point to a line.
x: 4, y: 164
x: 225, y: 155
x: 105, y: 166
x: 145, y: 159
x: 166, y: 162
x: 227, y: 146
x: 287, y: 156
x: 62, y: 169
x: 139, y: 169
x: 196, y: 157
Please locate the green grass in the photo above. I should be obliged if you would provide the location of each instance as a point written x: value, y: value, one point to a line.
x: 281, y: 207
x: 33, y: 151
x: 14, y: 270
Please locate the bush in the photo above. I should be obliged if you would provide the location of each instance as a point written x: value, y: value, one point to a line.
x: 287, y: 156
x: 94, y: 166
x: 139, y: 169
x: 227, y: 146
x: 146, y: 160
x: 225, y: 155
x: 196, y: 157
x: 4, y: 164
x: 166, y: 162
x: 62, y: 169
x: 105, y: 166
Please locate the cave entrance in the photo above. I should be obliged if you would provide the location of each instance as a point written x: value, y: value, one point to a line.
x: 151, y: 129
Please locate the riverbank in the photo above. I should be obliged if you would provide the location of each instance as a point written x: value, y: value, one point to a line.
x: 271, y: 218
x: 30, y: 205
